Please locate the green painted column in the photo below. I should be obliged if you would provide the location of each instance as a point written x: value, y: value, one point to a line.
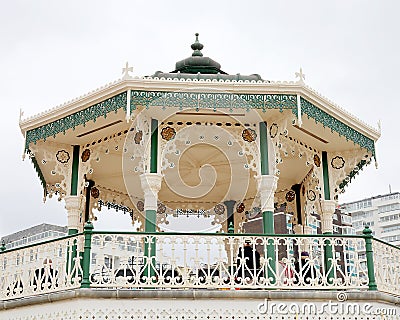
x: 151, y: 214
x: 75, y: 171
x: 264, y: 148
x: 328, y: 249
x: 370, y: 258
x: 74, y: 181
x: 268, y: 216
x: 325, y: 173
x: 87, y: 231
x: 154, y: 146
x: 267, y: 186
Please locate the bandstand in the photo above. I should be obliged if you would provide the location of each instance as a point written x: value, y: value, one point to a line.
x: 196, y: 142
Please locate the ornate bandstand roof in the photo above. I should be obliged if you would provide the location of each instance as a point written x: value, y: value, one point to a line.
x: 110, y: 124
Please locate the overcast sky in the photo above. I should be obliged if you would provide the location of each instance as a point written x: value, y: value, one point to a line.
x: 53, y: 52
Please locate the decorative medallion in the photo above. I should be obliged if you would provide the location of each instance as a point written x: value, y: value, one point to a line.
x: 62, y: 156
x: 138, y: 137
x: 290, y: 196
x: 317, y: 160
x: 94, y: 192
x: 219, y: 208
x: 140, y: 205
x: 273, y: 130
x: 249, y: 135
x: 240, y: 207
x: 161, y: 208
x: 85, y: 155
x: 168, y: 133
x: 337, y: 162
x: 311, y: 195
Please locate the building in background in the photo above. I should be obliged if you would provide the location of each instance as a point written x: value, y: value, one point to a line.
x: 381, y: 213
x: 33, y: 235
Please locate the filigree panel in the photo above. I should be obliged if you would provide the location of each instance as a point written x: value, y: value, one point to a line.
x: 56, y: 160
x: 343, y: 167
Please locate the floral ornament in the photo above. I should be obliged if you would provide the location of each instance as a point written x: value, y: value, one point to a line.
x: 337, y: 162
x: 168, y: 133
x: 94, y: 192
x: 249, y: 135
x: 62, y: 156
x: 138, y: 137
x: 311, y: 195
x: 219, y: 208
x: 317, y: 160
x: 85, y: 155
x: 240, y: 207
x: 273, y: 130
x: 290, y: 196
x: 161, y: 208
x: 140, y: 205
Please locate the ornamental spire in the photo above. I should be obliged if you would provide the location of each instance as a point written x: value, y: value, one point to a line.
x: 197, y: 46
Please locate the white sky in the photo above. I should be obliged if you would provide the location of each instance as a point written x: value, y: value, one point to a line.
x: 52, y: 52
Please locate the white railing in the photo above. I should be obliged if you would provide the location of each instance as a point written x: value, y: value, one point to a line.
x: 197, y: 261
x: 386, y: 266
x: 216, y: 261
x: 41, y: 268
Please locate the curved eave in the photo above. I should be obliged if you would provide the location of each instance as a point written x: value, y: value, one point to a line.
x: 233, y: 87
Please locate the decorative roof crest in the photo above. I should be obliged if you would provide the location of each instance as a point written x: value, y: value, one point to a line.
x: 301, y: 76
x: 126, y: 70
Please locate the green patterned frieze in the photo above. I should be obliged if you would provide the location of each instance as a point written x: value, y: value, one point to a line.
x: 100, y: 109
x: 38, y: 171
x: 336, y: 125
x: 212, y: 100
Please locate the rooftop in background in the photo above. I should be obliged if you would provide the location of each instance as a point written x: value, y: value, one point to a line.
x: 34, y: 234
x: 371, y: 198
x: 199, y: 67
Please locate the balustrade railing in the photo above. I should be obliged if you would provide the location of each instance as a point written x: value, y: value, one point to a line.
x: 200, y: 261
x: 41, y: 268
x: 227, y: 261
x: 387, y: 266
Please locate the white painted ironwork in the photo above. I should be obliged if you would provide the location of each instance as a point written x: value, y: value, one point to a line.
x: 215, y: 262
x: 387, y: 267
x: 41, y: 268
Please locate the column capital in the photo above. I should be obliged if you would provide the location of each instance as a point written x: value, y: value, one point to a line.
x: 151, y: 185
x: 267, y: 185
x: 267, y: 182
x: 328, y: 208
x: 73, y: 205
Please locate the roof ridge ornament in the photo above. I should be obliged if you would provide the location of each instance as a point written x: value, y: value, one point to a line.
x: 126, y: 70
x: 301, y: 76
x: 197, y: 47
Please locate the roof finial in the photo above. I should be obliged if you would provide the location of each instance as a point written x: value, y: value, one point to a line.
x: 197, y: 46
x: 301, y: 76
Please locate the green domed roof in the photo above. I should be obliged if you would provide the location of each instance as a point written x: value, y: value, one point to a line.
x: 202, y: 68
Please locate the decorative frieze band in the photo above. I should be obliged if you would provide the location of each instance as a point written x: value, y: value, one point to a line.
x: 197, y: 101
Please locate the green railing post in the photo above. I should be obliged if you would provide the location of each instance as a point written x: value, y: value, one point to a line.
x: 370, y: 258
x: 3, y: 246
x: 87, y: 231
x: 231, y: 228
